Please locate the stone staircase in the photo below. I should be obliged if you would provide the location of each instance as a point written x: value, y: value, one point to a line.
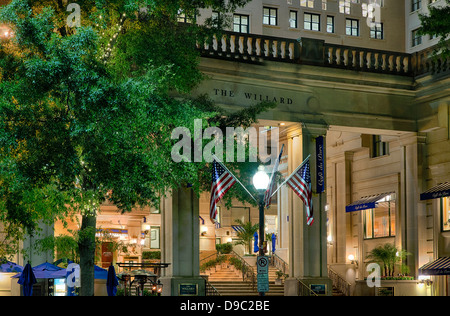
x: 228, y: 282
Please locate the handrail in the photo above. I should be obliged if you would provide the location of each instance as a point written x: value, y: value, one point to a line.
x: 279, y: 263
x: 339, y: 282
x: 210, y: 290
x: 304, y: 290
x: 248, y: 272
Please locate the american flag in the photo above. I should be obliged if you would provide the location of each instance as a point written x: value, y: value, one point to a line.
x: 300, y: 182
x: 222, y: 181
x: 269, y: 191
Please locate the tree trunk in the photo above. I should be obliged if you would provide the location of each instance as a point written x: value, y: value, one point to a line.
x: 86, y: 245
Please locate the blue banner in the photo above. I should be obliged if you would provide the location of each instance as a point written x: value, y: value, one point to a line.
x: 320, y: 165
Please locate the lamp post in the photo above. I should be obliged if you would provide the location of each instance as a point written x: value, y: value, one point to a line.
x: 260, y: 182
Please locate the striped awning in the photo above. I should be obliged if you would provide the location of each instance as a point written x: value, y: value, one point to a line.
x: 439, y: 266
x: 365, y: 203
x: 438, y: 191
x: 238, y: 228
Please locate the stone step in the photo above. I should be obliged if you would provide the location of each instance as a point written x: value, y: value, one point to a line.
x: 245, y: 289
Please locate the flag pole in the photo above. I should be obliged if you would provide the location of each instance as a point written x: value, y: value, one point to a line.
x: 301, y: 165
x: 217, y: 159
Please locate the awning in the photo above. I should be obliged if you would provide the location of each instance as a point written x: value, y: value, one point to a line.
x: 365, y: 203
x: 439, y: 266
x: 438, y: 191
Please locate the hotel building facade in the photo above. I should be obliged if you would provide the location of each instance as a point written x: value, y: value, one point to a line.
x: 357, y: 75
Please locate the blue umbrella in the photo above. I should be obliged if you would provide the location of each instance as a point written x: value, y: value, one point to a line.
x: 111, y: 281
x: 10, y: 267
x: 255, y: 246
x: 27, y: 279
x: 274, y: 238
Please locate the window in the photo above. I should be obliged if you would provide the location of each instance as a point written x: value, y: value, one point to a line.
x: 376, y: 30
x: 416, y: 38
x: 380, y: 221
x: 344, y: 6
x: 215, y: 18
x: 307, y: 3
x: 445, y: 213
x: 241, y: 23
x: 378, y: 148
x: 416, y: 5
x: 293, y: 19
x: 352, y: 27
x: 154, y: 237
x: 183, y: 18
x: 270, y: 16
x: 330, y: 24
x: 311, y: 22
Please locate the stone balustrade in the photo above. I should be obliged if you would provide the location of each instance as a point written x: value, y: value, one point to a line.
x: 253, y: 48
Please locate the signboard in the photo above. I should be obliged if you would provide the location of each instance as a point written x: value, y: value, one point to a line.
x: 262, y: 267
x: 385, y: 291
x: 319, y: 289
x: 185, y: 289
x: 263, y: 282
x: 262, y: 264
x: 320, y: 166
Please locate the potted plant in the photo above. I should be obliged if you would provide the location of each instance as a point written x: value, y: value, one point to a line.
x: 280, y: 275
x: 388, y: 256
x: 245, y: 235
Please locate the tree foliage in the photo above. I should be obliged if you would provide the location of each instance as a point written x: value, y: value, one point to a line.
x: 437, y: 23
x: 86, y: 113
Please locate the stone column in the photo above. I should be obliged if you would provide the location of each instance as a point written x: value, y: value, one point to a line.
x: 411, y: 224
x: 180, y: 244
x: 308, y: 244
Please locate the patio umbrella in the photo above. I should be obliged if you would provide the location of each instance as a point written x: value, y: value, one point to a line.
x: 255, y: 245
x: 10, y: 267
x: 27, y: 279
x: 274, y: 238
x: 111, y: 281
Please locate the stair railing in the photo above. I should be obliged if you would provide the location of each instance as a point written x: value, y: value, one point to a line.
x: 304, y: 290
x: 210, y: 290
x: 279, y: 263
x: 339, y: 282
x: 248, y: 273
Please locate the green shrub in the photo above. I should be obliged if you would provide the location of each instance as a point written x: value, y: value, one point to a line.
x: 224, y: 248
x: 151, y: 255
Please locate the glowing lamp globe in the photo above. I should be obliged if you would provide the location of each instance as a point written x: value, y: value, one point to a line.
x: 261, y: 179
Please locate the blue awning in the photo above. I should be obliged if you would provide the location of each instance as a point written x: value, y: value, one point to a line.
x: 439, y: 266
x: 366, y: 203
x: 438, y: 191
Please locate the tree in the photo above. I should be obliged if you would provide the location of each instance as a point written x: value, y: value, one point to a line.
x: 388, y: 256
x: 86, y: 112
x: 437, y: 23
x: 245, y: 234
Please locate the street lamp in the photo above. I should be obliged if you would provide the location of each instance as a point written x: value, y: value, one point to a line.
x: 261, y: 182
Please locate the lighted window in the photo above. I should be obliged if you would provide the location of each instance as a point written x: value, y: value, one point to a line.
x: 445, y: 214
x: 241, y: 23
x: 307, y: 3
x: 352, y: 27
x: 311, y: 22
x: 380, y: 221
x: 270, y: 16
x: 330, y: 24
x: 154, y: 237
x: 376, y: 31
x: 293, y: 19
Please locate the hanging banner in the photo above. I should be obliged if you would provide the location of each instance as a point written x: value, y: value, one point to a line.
x: 320, y: 165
